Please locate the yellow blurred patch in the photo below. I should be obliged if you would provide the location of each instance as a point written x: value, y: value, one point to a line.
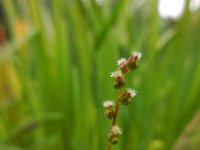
x: 9, y: 82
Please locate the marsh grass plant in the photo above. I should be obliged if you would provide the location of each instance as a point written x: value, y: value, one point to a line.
x: 53, y: 74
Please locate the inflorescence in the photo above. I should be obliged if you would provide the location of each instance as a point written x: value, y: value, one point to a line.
x: 124, y: 94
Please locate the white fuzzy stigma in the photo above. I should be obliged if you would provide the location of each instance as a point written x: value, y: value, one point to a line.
x: 108, y: 103
x: 116, y: 129
x: 131, y: 92
x: 121, y: 61
x: 117, y: 73
x: 138, y: 54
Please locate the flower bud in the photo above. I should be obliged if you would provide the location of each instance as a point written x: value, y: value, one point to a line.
x: 132, y: 62
x: 113, y: 135
x: 119, y: 80
x: 122, y: 65
x: 125, y: 97
x: 109, y: 113
x: 109, y: 110
x: 115, y: 140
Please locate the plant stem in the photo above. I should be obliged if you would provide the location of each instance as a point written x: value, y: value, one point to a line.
x: 116, y: 109
x: 115, y: 114
x: 109, y: 146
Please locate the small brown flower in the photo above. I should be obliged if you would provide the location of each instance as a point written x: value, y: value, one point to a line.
x: 114, y: 133
x: 122, y: 65
x: 125, y: 97
x: 132, y: 62
x: 109, y: 110
x: 119, y: 80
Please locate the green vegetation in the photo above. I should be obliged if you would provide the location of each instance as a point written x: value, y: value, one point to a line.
x: 54, y: 74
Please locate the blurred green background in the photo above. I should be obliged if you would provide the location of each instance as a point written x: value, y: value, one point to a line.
x: 55, y: 62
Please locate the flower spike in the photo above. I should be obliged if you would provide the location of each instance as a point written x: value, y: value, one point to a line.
x: 124, y: 95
